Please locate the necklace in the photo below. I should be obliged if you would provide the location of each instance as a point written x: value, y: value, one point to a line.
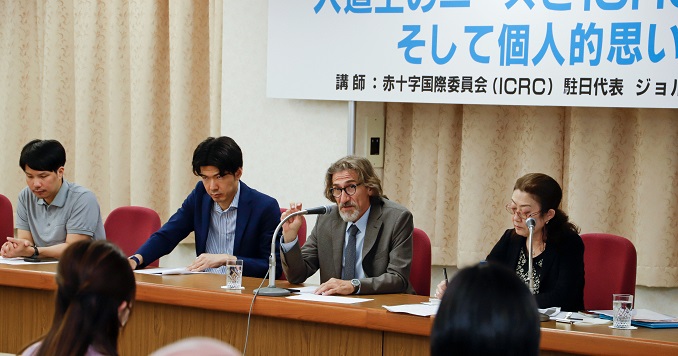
x: 540, y: 248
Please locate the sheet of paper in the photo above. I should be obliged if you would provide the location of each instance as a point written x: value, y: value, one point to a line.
x: 165, y: 271
x: 592, y: 321
x: 562, y: 315
x: 328, y: 298
x: 306, y: 290
x: 549, y: 311
x: 420, y: 309
x: 643, y: 314
x: 20, y: 261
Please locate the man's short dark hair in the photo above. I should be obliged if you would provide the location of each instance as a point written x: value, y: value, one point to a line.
x: 43, y: 155
x: 221, y: 152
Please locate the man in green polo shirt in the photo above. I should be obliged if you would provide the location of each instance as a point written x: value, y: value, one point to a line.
x: 51, y: 212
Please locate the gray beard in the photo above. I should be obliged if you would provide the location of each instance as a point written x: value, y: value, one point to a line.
x: 353, y: 217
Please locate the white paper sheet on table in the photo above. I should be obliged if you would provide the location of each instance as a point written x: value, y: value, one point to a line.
x: 20, y: 261
x: 643, y: 315
x: 305, y: 290
x: 572, y: 318
x: 420, y: 309
x: 165, y: 271
x: 585, y: 320
x: 328, y: 298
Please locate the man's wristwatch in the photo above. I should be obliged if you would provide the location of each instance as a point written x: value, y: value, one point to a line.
x: 135, y: 259
x: 36, y: 253
x: 356, y: 285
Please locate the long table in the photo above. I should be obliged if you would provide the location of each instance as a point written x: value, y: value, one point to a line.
x: 169, y: 308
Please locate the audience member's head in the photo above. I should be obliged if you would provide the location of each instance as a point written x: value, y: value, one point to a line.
x: 192, y: 346
x: 95, y: 293
x: 486, y: 310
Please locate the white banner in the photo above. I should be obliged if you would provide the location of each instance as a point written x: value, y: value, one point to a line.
x: 610, y: 53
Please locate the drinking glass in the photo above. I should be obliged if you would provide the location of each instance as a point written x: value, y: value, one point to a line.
x: 234, y: 274
x: 622, y: 307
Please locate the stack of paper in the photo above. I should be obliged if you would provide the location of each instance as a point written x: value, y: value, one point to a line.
x: 165, y: 271
x: 422, y: 309
x: 21, y: 261
x: 646, y: 318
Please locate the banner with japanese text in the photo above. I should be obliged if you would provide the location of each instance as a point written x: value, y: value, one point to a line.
x: 606, y: 53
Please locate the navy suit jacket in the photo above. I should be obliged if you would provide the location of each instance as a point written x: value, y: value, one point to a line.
x: 257, y: 217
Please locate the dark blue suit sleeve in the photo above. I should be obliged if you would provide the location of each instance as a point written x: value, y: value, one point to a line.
x: 176, y: 229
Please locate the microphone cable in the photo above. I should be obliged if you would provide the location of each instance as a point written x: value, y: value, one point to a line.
x: 249, y: 314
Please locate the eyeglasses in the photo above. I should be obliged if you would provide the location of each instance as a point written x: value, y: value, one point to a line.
x: 349, y: 190
x: 513, y: 210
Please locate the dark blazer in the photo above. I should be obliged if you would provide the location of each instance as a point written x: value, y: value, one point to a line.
x: 257, y: 217
x: 562, y: 276
x: 387, y: 250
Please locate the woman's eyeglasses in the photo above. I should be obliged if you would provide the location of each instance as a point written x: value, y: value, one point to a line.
x: 513, y: 210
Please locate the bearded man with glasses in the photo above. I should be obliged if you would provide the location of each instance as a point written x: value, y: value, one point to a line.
x: 363, y: 246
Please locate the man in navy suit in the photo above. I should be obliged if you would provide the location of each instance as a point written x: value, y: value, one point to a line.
x: 230, y: 220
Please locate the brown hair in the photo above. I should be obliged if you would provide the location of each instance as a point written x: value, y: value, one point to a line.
x: 362, y: 167
x: 547, y: 192
x: 93, y: 279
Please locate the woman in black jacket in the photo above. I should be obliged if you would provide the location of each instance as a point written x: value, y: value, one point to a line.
x: 557, y: 248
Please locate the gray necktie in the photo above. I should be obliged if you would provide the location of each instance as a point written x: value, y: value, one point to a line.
x: 349, y: 261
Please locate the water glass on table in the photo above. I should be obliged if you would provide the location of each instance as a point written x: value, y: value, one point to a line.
x: 234, y: 274
x: 622, y: 310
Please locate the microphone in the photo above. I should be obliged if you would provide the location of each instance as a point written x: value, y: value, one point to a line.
x: 321, y: 210
x: 530, y: 222
x: 272, y: 290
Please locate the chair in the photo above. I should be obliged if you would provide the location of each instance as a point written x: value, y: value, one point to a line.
x: 420, y: 273
x: 130, y: 226
x: 301, y: 237
x: 6, y: 219
x: 609, y: 268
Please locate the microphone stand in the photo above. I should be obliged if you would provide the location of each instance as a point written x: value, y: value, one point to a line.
x: 530, y: 227
x: 530, y: 222
x: 272, y: 290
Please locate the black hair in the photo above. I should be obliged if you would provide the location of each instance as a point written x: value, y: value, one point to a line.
x: 486, y: 310
x: 221, y: 152
x: 43, y: 155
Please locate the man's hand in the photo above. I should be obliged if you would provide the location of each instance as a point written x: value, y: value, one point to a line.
x: 291, y: 227
x: 6, y: 248
x: 440, y: 289
x: 17, y: 248
x: 209, y: 260
x: 335, y: 286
